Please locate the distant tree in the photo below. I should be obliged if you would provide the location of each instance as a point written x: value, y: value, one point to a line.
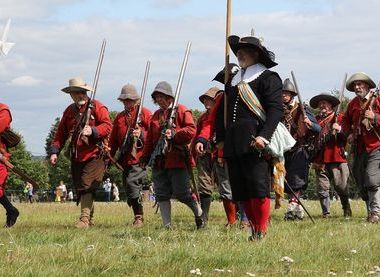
x: 196, y: 114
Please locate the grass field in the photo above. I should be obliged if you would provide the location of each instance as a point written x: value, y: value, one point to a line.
x: 45, y: 243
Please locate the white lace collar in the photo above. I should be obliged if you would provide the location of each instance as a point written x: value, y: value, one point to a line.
x: 251, y: 73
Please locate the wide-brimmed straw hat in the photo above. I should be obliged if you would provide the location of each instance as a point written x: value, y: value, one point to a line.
x: 128, y: 92
x: 211, y: 93
x: 77, y: 84
x: 360, y: 76
x: 324, y: 96
x: 266, y: 57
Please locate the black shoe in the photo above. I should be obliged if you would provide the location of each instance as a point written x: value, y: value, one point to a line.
x: 347, y: 212
x: 12, y: 216
x: 199, y: 222
x: 289, y: 216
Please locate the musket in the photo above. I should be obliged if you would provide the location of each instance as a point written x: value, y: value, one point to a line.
x: 367, y: 123
x: 162, y: 146
x: 90, y: 104
x: 338, y: 108
x: 17, y: 171
x: 138, y: 119
x: 298, y: 95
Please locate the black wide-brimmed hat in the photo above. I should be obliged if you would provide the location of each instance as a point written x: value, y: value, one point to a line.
x: 266, y: 57
x: 233, y: 69
x: 324, y: 96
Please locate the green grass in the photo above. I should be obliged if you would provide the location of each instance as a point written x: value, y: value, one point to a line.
x: 44, y: 242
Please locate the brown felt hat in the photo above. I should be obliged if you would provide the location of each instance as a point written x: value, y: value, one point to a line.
x: 77, y: 84
x: 211, y: 93
x: 128, y: 92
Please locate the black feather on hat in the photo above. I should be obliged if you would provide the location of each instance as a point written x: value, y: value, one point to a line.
x: 266, y: 57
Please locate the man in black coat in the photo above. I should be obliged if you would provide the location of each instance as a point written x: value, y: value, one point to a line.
x: 254, y: 109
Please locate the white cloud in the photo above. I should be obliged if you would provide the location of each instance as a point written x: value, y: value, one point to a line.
x: 24, y: 81
x: 319, y: 47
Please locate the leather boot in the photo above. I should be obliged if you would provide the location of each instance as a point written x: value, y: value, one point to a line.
x: 205, y: 206
x: 86, y: 203
x: 138, y: 222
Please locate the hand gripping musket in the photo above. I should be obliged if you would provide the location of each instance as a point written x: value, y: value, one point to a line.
x: 90, y: 104
x: 17, y: 171
x: 367, y: 123
x: 163, y: 146
x: 127, y: 147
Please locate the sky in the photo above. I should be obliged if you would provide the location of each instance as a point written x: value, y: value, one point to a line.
x: 56, y: 40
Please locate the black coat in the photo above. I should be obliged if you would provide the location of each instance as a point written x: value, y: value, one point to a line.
x: 242, y: 123
x: 249, y: 172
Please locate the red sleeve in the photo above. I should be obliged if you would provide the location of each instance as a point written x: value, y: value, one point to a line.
x: 5, y: 118
x: 61, y: 134
x: 376, y: 110
x: 103, y: 123
x: 346, y: 121
x: 113, y: 141
x: 208, y: 127
x: 148, y: 142
x: 146, y: 117
x: 185, y: 127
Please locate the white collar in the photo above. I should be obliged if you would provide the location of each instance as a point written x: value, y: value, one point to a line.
x: 251, y: 73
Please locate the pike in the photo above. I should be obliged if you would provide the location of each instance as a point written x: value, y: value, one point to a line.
x: 124, y: 147
x: 226, y: 60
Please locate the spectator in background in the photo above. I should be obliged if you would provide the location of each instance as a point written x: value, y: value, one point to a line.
x: 70, y: 196
x: 63, y: 189
x: 115, y: 192
x: 29, y: 191
x: 107, y: 189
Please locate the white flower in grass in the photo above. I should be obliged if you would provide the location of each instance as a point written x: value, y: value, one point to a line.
x: 250, y: 274
x: 376, y: 268
x: 59, y: 245
x: 371, y: 272
x: 349, y: 272
x: 1, y: 244
x: 90, y: 247
x: 353, y: 251
x: 286, y: 259
x: 346, y: 259
x: 332, y: 273
x: 229, y: 270
x: 218, y: 270
x: 196, y: 271
x: 194, y: 245
x: 11, y: 242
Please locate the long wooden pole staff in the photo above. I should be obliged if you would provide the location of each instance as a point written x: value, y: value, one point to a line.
x: 227, y: 59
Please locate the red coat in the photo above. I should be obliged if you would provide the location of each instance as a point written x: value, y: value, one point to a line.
x: 101, y: 128
x: 5, y: 122
x: 120, y: 126
x: 184, y: 133
x: 333, y: 150
x: 352, y: 124
x: 206, y: 132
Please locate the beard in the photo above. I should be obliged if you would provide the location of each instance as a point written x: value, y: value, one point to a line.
x: 81, y: 102
x: 361, y: 95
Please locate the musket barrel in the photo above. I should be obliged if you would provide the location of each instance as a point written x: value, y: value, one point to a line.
x: 143, y: 90
x: 182, y: 74
x: 298, y: 93
x: 341, y: 93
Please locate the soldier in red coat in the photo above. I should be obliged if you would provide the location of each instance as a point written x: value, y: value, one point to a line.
x: 128, y: 138
x: 87, y: 163
x: 361, y: 122
x: 170, y: 169
x: 5, y: 122
x: 204, y: 159
x: 330, y: 161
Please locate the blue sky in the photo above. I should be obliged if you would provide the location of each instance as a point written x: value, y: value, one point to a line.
x: 59, y: 39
